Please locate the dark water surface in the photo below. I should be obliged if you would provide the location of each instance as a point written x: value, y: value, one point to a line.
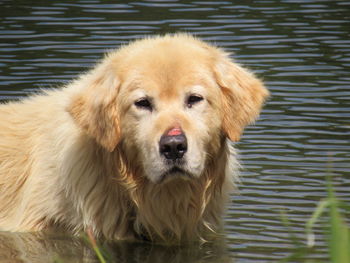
x: 300, y: 48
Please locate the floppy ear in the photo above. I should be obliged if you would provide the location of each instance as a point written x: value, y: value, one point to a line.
x: 242, y: 96
x: 94, y: 106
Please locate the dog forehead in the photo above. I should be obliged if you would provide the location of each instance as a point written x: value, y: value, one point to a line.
x: 166, y: 68
x: 167, y: 84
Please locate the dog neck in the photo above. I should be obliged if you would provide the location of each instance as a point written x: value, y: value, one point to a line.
x: 178, y: 210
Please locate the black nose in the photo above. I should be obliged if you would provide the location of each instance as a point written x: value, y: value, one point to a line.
x: 173, y: 147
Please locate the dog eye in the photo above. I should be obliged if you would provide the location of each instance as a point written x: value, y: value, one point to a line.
x: 144, y: 104
x: 193, y: 99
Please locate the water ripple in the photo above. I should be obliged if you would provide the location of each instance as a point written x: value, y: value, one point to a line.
x: 300, y: 49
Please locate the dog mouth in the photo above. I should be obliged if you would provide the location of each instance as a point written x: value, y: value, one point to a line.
x: 174, y: 173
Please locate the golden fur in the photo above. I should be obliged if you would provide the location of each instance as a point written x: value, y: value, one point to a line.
x: 85, y: 157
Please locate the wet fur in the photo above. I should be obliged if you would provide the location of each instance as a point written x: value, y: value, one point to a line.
x: 72, y: 158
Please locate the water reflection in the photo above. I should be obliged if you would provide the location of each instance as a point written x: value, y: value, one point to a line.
x: 148, y: 253
x: 44, y: 248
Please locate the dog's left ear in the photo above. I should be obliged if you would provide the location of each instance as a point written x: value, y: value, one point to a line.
x: 94, y: 107
x: 242, y: 96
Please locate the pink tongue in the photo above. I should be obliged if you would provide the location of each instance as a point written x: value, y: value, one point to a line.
x: 174, y: 132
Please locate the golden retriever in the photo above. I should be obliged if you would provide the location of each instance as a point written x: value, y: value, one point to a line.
x: 138, y: 147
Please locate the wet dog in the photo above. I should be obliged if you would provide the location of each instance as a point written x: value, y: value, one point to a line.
x: 139, y: 147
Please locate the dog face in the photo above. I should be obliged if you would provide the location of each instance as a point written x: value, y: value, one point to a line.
x: 169, y: 102
x: 170, y: 119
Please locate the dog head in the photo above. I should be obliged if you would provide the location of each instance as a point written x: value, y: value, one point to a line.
x: 169, y: 102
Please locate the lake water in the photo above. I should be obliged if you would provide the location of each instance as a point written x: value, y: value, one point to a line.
x: 300, y: 48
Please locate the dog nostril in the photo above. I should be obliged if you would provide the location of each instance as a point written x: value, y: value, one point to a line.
x: 165, y: 149
x: 181, y: 148
x: 173, y: 147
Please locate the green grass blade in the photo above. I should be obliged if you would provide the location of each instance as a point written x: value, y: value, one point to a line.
x: 91, y: 240
x: 321, y: 207
x: 339, y: 241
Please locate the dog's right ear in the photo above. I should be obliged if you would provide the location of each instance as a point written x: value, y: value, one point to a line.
x: 94, y: 107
